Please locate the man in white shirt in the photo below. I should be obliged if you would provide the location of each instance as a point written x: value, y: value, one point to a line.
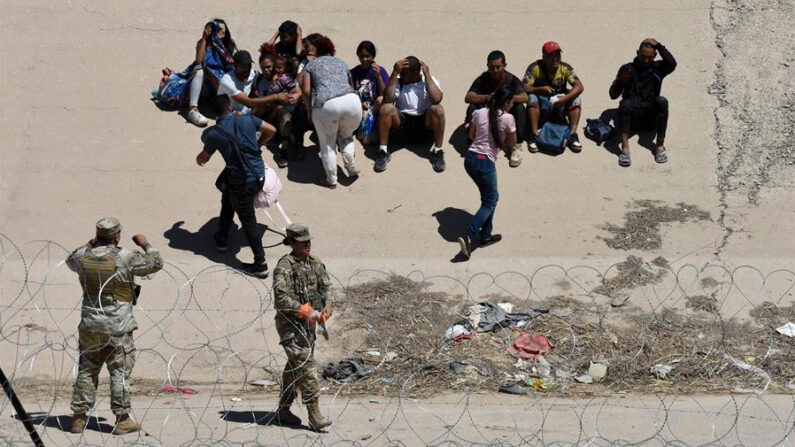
x: 411, y: 105
x: 237, y: 85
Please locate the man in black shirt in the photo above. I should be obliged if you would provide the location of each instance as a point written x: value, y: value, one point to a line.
x: 639, y: 83
x: 483, y: 88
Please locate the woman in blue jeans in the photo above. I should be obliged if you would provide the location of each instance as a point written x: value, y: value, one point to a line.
x: 490, y: 129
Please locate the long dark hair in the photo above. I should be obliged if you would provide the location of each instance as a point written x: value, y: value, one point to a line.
x: 229, y: 43
x: 498, y: 100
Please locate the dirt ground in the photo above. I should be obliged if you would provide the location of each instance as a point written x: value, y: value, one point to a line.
x: 81, y: 139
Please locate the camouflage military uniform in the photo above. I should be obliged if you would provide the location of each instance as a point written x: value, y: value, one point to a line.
x: 296, y: 282
x: 106, y: 320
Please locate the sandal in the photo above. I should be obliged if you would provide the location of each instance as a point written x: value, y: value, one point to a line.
x: 660, y: 154
x: 624, y: 160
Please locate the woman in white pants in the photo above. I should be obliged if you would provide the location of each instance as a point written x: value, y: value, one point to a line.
x: 335, y: 108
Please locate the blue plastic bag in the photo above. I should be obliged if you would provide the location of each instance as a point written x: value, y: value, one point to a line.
x: 173, y: 90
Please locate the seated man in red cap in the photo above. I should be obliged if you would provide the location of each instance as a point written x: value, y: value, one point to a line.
x: 547, y: 83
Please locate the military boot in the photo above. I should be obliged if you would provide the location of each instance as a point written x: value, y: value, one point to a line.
x: 284, y: 415
x: 125, y: 424
x: 316, y: 419
x: 79, y: 421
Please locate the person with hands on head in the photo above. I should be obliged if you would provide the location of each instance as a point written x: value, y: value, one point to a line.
x: 237, y: 85
x: 547, y: 82
x: 412, y: 105
x: 197, y: 83
x: 288, y: 40
x: 301, y: 287
x: 235, y: 136
x: 482, y: 92
x: 639, y: 84
x: 105, y: 335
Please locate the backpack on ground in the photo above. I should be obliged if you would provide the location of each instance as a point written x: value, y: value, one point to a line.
x: 173, y: 90
x: 598, y: 130
x: 553, y: 137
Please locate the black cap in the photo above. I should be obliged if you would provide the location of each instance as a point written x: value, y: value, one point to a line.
x: 242, y: 57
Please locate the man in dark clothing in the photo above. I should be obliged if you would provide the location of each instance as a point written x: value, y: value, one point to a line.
x: 639, y: 83
x: 235, y: 136
x: 483, y: 88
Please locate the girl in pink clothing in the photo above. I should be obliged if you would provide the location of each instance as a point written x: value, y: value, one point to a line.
x: 491, y: 129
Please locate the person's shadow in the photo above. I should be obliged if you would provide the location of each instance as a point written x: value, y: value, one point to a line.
x: 460, y: 140
x: 419, y: 145
x: 452, y: 224
x: 201, y: 242
x: 642, y: 128
x: 64, y: 422
x: 266, y: 418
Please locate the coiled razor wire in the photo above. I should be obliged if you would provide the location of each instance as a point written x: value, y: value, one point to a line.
x: 213, y: 331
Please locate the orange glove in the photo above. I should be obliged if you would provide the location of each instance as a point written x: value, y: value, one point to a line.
x: 318, y: 316
x: 305, y: 311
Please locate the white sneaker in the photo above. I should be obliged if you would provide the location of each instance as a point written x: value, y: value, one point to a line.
x: 516, y: 156
x: 196, y: 118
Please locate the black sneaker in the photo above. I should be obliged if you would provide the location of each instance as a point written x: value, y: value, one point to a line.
x: 490, y: 240
x: 466, y: 246
x: 220, y: 243
x: 532, y: 146
x: 437, y: 160
x: 381, y: 161
x: 280, y: 158
x: 256, y: 270
x: 574, y: 143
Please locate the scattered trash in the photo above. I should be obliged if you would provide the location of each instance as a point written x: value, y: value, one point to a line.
x: 456, y: 330
x: 530, y: 347
x: 373, y: 401
x: 585, y: 378
x: 543, y: 368
x: 537, y: 384
x: 235, y: 399
x: 746, y: 367
x: 178, y: 389
x: 263, y: 382
x: 390, y: 356
x: 394, y: 208
x: 366, y: 437
x: 787, y: 329
x: 597, y: 371
x: 387, y: 380
x: 490, y: 317
x: 463, y: 337
x: 562, y: 374
x: 513, y: 389
x: 507, y: 307
x: 460, y: 367
x: 619, y: 300
x: 750, y: 359
x: 346, y: 371
x: 660, y: 370
x: 373, y: 353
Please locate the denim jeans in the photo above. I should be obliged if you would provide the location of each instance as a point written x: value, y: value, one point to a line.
x: 239, y: 198
x: 484, y: 173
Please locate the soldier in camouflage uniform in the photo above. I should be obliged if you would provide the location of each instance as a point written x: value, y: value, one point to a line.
x: 106, y: 319
x: 302, y: 291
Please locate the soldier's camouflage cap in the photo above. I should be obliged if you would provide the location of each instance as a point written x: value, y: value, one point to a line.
x: 298, y: 232
x: 108, y: 226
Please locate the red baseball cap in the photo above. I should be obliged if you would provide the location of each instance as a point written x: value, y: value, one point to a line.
x: 550, y: 47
